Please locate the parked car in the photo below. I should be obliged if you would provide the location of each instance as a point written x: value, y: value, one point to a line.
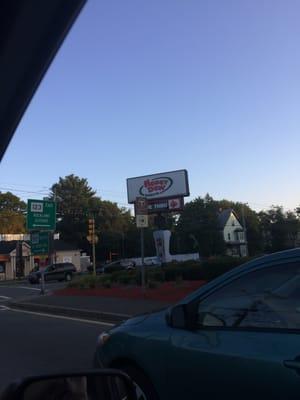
x: 54, y: 272
x: 119, y: 265
x: 152, y: 262
x: 237, y: 335
x: 99, y: 268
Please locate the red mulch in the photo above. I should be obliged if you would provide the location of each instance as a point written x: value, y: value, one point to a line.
x: 167, y: 292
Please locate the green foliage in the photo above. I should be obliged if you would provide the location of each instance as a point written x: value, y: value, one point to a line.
x: 76, y: 203
x: 106, y: 283
x: 174, y: 272
x: 279, y: 229
x: 152, y: 285
x: 199, y: 228
x: 12, y: 210
x: 206, y: 270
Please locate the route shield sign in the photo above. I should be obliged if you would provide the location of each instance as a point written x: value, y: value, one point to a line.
x: 39, y: 243
x: 41, y: 215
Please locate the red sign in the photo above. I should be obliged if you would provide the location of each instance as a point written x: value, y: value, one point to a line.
x: 165, y: 205
x: 174, y: 204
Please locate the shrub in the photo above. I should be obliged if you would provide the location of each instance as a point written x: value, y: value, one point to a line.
x: 156, y: 274
x: 107, y: 283
x: 151, y: 284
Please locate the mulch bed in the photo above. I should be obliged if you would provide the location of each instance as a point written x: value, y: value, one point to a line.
x: 168, y: 291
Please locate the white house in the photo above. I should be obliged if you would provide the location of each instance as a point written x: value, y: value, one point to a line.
x: 233, y: 233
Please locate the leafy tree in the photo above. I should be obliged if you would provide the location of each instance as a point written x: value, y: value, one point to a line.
x: 12, y: 213
x: 76, y: 203
x: 199, y: 228
x: 279, y: 229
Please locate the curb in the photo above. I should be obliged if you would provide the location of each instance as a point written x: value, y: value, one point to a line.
x: 70, y: 312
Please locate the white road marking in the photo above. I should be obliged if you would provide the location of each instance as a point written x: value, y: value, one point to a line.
x: 3, y: 308
x: 28, y: 288
x: 19, y: 287
x: 5, y: 297
x: 88, y: 321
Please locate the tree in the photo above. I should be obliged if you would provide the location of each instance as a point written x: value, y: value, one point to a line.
x: 12, y: 213
x: 279, y: 229
x: 76, y: 203
x: 73, y: 195
x: 198, y: 226
x: 199, y: 229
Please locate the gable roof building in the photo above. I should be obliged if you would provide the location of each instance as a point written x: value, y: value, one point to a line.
x: 233, y: 233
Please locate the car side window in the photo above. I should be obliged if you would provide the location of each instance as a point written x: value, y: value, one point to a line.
x: 266, y: 298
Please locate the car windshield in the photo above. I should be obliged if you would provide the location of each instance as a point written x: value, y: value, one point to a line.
x: 157, y: 160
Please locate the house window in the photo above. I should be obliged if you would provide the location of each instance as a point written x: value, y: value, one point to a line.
x: 232, y: 223
x: 229, y: 237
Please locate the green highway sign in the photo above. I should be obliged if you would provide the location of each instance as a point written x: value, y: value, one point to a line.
x: 39, y: 243
x: 41, y: 215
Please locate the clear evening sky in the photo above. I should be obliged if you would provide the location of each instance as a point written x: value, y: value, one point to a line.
x: 146, y: 86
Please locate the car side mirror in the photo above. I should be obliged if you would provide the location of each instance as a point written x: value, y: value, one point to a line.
x: 176, y: 317
x: 106, y: 384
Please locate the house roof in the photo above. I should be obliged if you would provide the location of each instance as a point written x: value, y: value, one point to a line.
x: 7, y: 247
x: 224, y: 216
x: 60, y: 245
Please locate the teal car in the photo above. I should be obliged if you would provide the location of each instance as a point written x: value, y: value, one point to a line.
x: 237, y: 336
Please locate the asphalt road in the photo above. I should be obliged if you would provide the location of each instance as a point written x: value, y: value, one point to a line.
x: 34, y: 344
x: 20, y: 290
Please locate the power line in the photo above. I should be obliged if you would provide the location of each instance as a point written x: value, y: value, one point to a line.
x: 24, y: 191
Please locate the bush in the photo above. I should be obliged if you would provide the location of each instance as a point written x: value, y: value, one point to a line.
x: 151, y: 284
x: 107, y: 283
x: 156, y: 274
x: 205, y: 270
x: 188, y: 270
x: 85, y: 282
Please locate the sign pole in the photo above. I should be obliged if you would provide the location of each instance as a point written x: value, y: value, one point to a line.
x: 143, y: 256
x: 42, y: 283
x: 94, y: 256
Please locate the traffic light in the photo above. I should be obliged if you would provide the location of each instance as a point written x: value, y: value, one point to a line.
x: 91, y: 227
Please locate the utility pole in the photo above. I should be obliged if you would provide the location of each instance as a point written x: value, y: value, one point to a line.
x: 245, y: 229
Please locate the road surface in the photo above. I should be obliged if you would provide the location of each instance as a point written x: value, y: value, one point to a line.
x: 20, y: 290
x: 37, y: 344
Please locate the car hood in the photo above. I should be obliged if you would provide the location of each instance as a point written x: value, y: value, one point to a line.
x: 153, y: 315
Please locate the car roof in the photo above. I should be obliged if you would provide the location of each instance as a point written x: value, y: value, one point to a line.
x: 31, y: 33
x: 262, y: 262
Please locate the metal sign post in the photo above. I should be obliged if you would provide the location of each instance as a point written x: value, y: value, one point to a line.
x: 42, y: 282
x: 143, y: 257
x: 92, y: 238
x: 141, y: 215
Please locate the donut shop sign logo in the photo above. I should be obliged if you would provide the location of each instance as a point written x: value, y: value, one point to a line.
x: 154, y: 187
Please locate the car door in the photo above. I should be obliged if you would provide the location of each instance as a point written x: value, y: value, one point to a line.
x: 50, y: 273
x: 246, y: 341
x: 59, y: 271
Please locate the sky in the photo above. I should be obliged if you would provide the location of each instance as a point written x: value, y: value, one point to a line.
x: 140, y: 87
